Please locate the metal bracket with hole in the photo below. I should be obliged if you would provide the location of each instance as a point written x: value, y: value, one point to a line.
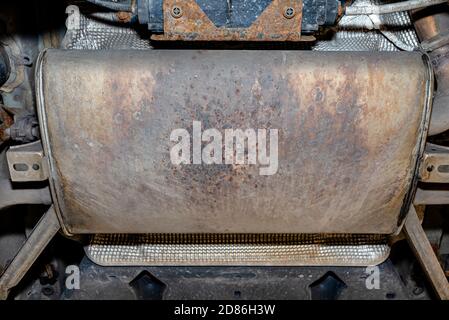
x: 27, y: 162
x: 435, y: 164
x: 186, y: 21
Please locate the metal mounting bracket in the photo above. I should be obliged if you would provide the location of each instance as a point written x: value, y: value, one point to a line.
x: 27, y: 162
x: 435, y: 164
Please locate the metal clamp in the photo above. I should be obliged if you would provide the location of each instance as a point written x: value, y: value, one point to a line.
x: 436, y: 42
x: 185, y: 20
x: 27, y: 162
x: 435, y: 164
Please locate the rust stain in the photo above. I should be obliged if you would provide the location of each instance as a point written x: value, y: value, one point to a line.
x: 6, y: 121
x: 194, y: 25
x: 124, y: 17
x: 347, y: 129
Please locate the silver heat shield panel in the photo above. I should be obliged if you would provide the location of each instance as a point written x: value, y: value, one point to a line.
x: 237, y: 249
x: 85, y: 32
x: 371, y: 33
x: 352, y: 33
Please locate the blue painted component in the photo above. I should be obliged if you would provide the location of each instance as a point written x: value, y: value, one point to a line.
x: 241, y: 13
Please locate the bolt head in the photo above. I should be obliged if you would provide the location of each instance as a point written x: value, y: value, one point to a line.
x: 289, y: 12
x: 176, y: 12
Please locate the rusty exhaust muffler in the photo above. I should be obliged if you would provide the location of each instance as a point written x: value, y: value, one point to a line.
x: 350, y: 131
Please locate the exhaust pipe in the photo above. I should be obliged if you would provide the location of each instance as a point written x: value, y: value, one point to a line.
x: 432, y: 26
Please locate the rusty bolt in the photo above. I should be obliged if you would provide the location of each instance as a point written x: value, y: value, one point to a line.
x: 176, y: 12
x: 289, y: 12
x: 124, y: 17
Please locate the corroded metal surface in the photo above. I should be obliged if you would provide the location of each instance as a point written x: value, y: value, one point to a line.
x: 184, y: 20
x: 238, y: 249
x: 350, y: 128
x: 6, y: 121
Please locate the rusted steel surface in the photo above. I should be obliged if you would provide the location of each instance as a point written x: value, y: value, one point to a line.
x: 124, y: 17
x: 6, y: 121
x: 184, y: 20
x: 350, y: 127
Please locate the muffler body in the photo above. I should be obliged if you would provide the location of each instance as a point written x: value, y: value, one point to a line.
x: 350, y: 130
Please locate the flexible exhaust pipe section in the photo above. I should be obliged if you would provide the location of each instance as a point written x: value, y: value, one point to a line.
x: 432, y: 24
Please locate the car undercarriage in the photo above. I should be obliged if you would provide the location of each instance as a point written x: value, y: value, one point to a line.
x: 224, y: 150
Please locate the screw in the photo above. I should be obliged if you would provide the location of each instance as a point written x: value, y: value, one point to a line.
x: 418, y: 290
x: 176, y: 12
x: 289, y: 12
x: 48, y: 291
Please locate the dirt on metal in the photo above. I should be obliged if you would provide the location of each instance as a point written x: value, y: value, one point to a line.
x: 349, y: 129
x: 190, y: 23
